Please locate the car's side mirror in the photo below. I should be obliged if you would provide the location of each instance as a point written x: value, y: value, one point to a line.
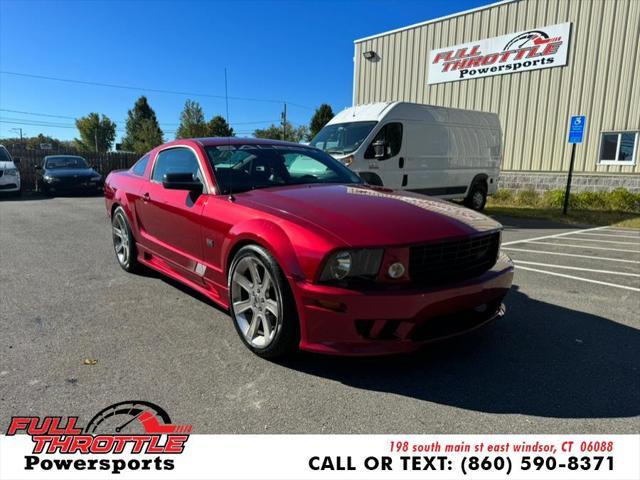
x: 38, y: 167
x: 16, y: 160
x: 181, y: 181
x: 380, y: 149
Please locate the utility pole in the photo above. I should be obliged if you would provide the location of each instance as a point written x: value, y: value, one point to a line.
x: 284, y: 123
x: 95, y: 137
x: 18, y: 129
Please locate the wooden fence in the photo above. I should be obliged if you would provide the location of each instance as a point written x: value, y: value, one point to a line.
x: 102, y: 162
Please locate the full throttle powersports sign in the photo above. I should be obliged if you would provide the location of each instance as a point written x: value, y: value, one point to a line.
x: 134, y: 435
x: 533, y: 49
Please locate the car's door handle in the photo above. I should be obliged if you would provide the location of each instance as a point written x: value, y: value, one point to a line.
x: 146, y: 197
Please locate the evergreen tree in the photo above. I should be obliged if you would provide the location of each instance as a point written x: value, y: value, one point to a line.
x: 218, y: 127
x: 192, y: 124
x: 142, y: 131
x: 322, y: 115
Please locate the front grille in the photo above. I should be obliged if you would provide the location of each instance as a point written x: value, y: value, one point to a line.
x: 453, y: 260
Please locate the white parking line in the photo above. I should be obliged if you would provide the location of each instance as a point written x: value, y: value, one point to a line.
x: 564, y: 267
x: 563, y: 254
x: 637, y: 237
x: 595, y: 240
x: 552, y: 236
x: 588, y: 280
x: 622, y: 230
x: 585, y: 246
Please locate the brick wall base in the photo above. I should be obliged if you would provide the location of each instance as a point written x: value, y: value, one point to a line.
x: 580, y: 182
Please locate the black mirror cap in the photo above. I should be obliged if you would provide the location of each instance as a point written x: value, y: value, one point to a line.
x: 16, y: 160
x: 380, y: 149
x: 182, y: 181
x: 38, y: 167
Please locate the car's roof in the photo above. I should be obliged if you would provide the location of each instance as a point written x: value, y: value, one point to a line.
x: 63, y: 156
x: 215, y: 141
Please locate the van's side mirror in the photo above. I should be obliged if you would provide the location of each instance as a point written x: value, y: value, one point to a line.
x: 38, y: 167
x: 182, y: 181
x: 380, y: 149
x: 16, y: 160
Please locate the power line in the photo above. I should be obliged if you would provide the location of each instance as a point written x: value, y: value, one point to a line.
x: 143, y: 89
x: 50, y: 115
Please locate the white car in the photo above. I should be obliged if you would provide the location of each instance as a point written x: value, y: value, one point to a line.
x: 444, y: 152
x: 9, y: 173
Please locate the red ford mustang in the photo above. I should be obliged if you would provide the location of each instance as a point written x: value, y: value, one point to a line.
x: 302, y: 252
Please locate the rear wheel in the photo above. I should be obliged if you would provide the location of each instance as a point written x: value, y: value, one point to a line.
x: 477, y: 196
x: 124, y: 244
x: 261, y: 303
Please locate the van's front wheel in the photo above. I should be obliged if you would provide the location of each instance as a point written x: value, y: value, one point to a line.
x: 476, y: 199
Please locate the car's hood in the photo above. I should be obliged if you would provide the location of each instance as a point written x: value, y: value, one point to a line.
x: 70, y: 172
x: 6, y: 165
x: 362, y: 215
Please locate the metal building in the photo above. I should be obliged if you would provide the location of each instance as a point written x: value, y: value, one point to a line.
x: 574, y: 57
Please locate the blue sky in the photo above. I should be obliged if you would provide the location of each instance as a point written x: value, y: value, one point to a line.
x: 298, y: 51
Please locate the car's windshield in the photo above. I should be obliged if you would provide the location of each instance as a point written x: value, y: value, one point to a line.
x: 342, y: 138
x: 239, y: 168
x: 4, y: 155
x: 65, y: 162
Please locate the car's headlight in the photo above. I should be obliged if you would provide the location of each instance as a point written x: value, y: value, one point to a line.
x: 50, y: 179
x: 12, y: 172
x: 352, y: 263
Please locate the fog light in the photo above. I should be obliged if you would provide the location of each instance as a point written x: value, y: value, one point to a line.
x: 396, y: 270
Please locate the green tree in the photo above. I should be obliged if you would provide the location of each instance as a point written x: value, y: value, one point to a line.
x: 192, y: 124
x: 143, y: 131
x: 97, y: 133
x: 276, y: 132
x: 322, y: 115
x: 218, y: 127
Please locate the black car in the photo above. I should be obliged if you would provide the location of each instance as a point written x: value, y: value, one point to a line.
x: 67, y: 174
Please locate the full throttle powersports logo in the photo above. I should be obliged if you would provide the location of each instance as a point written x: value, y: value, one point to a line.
x: 529, y: 50
x: 131, y: 427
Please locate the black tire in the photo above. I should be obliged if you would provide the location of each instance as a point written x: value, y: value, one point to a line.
x: 128, y: 263
x: 287, y: 328
x: 476, y: 199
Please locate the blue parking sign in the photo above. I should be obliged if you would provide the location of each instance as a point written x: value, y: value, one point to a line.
x: 576, y: 129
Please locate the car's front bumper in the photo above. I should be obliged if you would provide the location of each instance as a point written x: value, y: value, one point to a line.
x: 9, y: 183
x: 347, y: 322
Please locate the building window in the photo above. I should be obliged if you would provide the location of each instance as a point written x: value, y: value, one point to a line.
x: 618, y: 148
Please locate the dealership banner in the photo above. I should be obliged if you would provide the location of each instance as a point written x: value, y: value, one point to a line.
x: 533, y: 49
x: 59, y: 452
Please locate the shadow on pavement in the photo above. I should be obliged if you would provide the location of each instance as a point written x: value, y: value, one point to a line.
x: 541, y: 359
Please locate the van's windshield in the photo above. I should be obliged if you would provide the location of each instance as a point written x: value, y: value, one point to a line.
x: 342, y: 138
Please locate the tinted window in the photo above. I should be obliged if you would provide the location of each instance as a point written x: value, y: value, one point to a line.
x: 618, y: 147
x: 391, y: 133
x: 65, y: 162
x: 140, y: 166
x: 4, y: 155
x: 176, y: 160
x: 239, y: 168
x: 609, y: 146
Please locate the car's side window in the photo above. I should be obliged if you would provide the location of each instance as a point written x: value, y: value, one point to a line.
x: 391, y: 133
x: 140, y: 166
x: 176, y: 160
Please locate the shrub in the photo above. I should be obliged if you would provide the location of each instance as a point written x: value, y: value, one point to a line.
x: 527, y: 198
x: 619, y: 200
x: 503, y: 196
x: 623, y: 200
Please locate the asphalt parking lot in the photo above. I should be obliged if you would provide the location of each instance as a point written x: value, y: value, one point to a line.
x: 565, y: 359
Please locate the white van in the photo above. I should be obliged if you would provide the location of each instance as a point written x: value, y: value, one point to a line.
x: 445, y: 152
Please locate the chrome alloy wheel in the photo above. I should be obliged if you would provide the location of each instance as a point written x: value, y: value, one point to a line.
x: 121, y: 238
x: 256, y: 302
